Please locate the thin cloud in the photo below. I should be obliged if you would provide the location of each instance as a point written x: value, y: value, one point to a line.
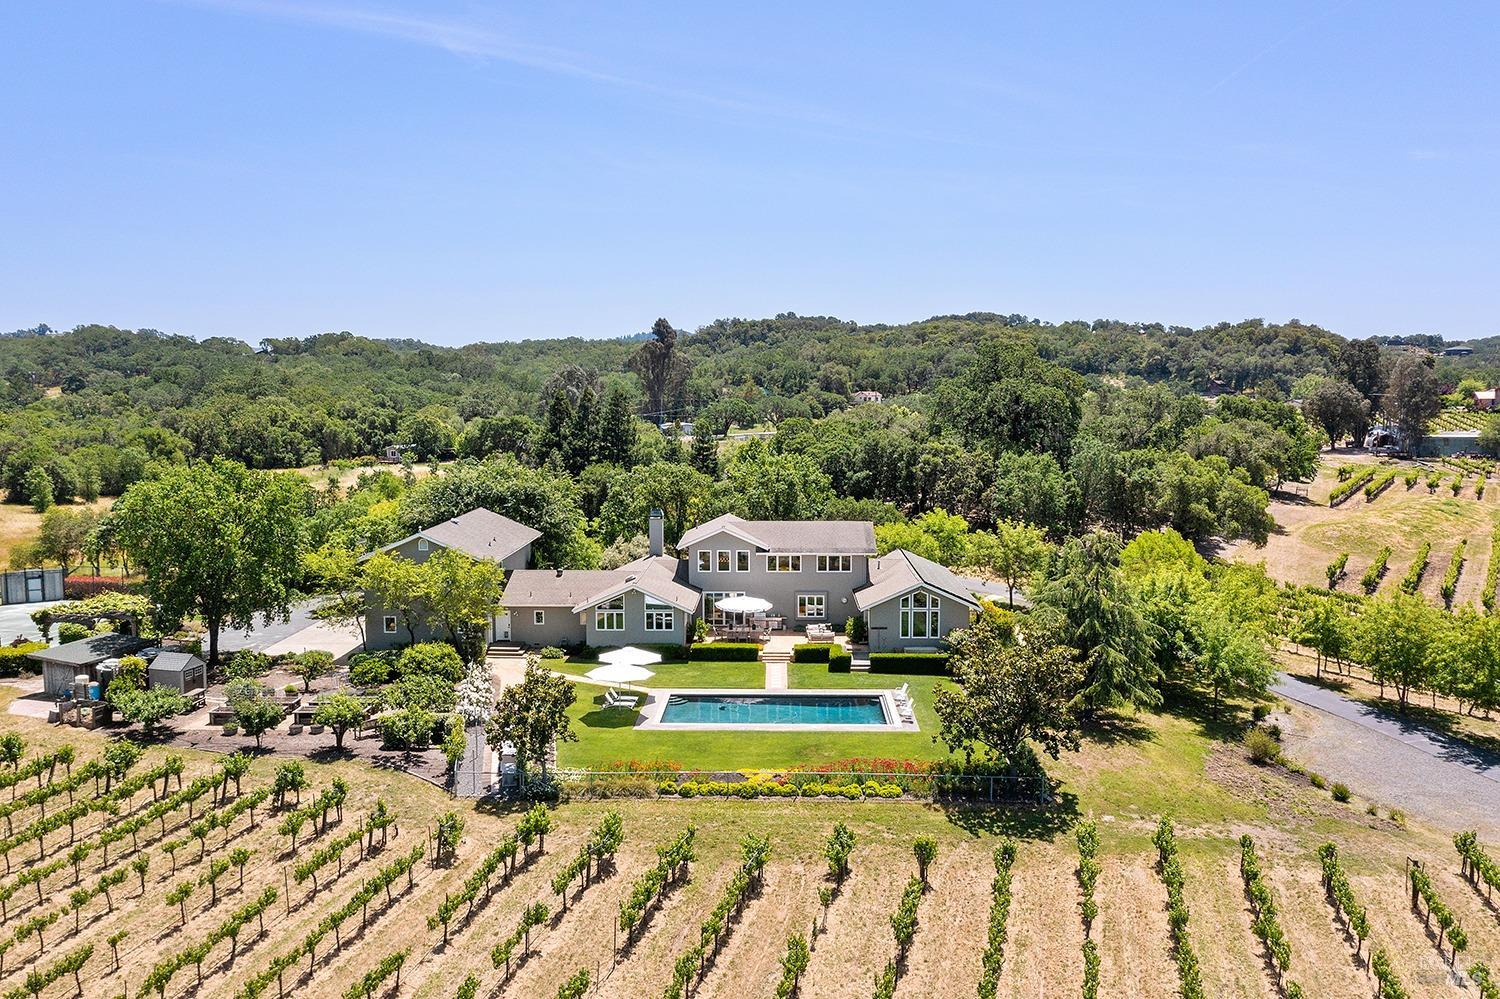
x: 1278, y: 43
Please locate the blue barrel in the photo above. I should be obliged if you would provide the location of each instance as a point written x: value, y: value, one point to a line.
x: 93, y: 691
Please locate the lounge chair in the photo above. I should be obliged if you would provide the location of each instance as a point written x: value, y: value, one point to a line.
x: 615, y: 699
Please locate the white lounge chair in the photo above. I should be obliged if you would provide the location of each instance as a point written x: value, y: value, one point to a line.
x: 615, y: 699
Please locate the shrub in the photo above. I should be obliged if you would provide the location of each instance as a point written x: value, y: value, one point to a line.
x: 70, y: 631
x: 928, y: 663
x: 15, y: 658
x: 857, y: 629
x: 1260, y: 712
x: 811, y: 652
x: 1340, y: 792
x: 1317, y: 781
x: 726, y: 652
x: 431, y: 659
x: 1261, y: 746
x: 551, y: 652
x: 839, y: 661
x: 371, y: 669
x: 247, y: 664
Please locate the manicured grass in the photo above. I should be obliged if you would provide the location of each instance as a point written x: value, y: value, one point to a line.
x: 608, y: 736
x: 689, y: 674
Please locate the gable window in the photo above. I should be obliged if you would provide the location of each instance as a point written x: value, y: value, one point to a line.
x: 835, y: 563
x: 783, y: 563
x: 812, y: 606
x: 711, y: 613
x: 388, y: 623
x: 660, y: 616
x: 705, y: 560
x: 421, y: 544
x: 538, y: 617
x: 723, y: 561
x: 920, y: 615
x: 742, y: 561
x: 610, y: 615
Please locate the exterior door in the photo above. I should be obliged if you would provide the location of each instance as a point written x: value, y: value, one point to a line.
x: 33, y: 586
x: 500, y: 628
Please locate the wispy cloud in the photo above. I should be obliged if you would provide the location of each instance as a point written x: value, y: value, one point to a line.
x: 1296, y: 30
x: 478, y: 41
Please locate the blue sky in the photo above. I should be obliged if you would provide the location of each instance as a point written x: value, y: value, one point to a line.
x: 467, y: 171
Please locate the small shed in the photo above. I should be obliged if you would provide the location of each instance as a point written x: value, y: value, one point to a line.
x: 182, y: 671
x: 27, y: 586
x: 62, y: 663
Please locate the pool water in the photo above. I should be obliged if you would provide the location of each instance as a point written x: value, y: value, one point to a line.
x: 757, y: 709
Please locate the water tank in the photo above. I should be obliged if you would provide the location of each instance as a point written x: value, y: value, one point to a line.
x: 93, y: 691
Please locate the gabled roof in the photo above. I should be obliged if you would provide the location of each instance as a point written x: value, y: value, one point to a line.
x: 898, y: 572
x: 658, y: 577
x: 797, y: 537
x: 90, y: 651
x: 176, y: 662
x: 480, y: 533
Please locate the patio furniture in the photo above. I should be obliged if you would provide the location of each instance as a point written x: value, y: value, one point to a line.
x: 615, y: 699
x: 821, y: 634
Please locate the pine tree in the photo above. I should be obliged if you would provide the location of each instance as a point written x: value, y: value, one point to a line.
x: 617, y: 428
x: 705, y: 453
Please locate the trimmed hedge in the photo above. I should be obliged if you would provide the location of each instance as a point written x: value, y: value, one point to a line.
x: 725, y: 652
x: 811, y: 652
x: 839, y: 661
x: 934, y: 663
x: 15, y: 658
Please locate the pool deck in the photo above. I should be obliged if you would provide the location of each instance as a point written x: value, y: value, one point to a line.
x: 656, y: 704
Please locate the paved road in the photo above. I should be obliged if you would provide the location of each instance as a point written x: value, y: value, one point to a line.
x: 1446, y: 782
x: 15, y: 620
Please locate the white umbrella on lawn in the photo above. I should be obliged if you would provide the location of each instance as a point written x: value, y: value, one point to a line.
x: 629, y: 655
x: 612, y: 673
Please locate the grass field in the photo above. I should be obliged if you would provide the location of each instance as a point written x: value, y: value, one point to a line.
x: 19, y: 524
x: 1125, y: 775
x: 1310, y: 534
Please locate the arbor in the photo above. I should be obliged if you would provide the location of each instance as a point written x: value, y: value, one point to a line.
x: 531, y: 715
x: 1084, y: 599
x: 218, y: 541
x: 661, y: 368
x: 339, y: 713
x: 1007, y: 694
x: 1411, y: 399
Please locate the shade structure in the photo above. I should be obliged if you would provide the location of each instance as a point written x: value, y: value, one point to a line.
x: 629, y: 655
x: 619, y: 673
x: 743, y: 605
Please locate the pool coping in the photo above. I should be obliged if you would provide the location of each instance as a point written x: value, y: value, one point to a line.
x: 656, y: 704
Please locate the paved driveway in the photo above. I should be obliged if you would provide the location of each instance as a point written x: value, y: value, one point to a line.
x: 1446, y: 782
x: 15, y: 619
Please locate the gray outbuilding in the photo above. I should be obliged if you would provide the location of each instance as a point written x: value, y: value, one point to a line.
x: 62, y: 664
x: 182, y: 671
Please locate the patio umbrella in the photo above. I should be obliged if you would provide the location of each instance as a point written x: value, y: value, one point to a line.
x: 629, y: 655
x: 743, y: 605
x: 619, y: 673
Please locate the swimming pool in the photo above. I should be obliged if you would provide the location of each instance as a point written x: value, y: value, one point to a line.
x: 774, y: 709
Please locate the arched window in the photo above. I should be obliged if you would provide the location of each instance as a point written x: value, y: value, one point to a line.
x: 921, y: 616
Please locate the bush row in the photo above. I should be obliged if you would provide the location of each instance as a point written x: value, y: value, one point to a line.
x: 725, y: 652
x: 777, y: 789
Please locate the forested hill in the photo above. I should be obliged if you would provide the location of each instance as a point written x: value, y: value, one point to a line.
x: 95, y: 404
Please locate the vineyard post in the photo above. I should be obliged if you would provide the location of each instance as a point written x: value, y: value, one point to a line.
x: 286, y: 880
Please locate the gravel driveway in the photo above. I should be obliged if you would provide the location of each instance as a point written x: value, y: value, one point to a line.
x: 1445, y: 782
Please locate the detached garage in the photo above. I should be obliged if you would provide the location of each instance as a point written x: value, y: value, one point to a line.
x: 182, y: 671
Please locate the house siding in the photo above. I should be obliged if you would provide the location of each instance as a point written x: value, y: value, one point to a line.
x: 560, y: 627
x: 375, y: 615
x: 780, y: 588
x: 884, y: 622
x: 635, y: 632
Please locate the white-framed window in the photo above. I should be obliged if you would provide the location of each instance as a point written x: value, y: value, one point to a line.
x: 388, y: 624
x: 742, y: 561
x: 421, y: 544
x: 539, y: 617
x: 723, y: 560
x: 610, y: 616
x: 835, y: 563
x: 921, y: 616
x: 783, y: 563
x: 659, y: 616
x: 705, y: 560
x: 812, y: 606
x: 710, y: 605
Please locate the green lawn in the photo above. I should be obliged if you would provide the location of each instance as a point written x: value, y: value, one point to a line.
x: 690, y: 674
x: 608, y: 736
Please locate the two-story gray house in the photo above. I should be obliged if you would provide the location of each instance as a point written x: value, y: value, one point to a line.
x: 480, y: 534
x: 808, y: 569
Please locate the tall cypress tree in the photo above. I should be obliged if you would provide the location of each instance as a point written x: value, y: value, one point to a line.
x: 705, y: 452
x: 557, y: 426
x: 581, y: 442
x: 617, y: 428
